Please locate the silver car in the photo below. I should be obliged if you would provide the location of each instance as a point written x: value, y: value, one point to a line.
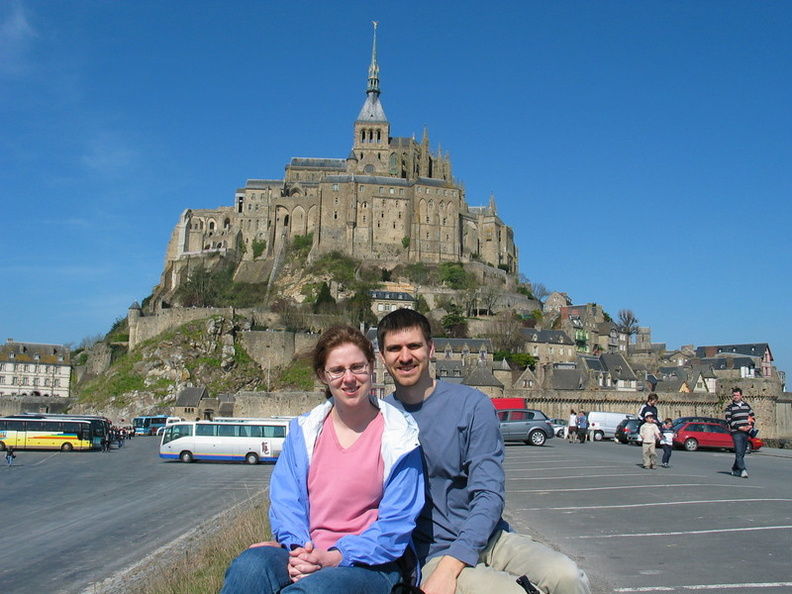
x: 527, y: 425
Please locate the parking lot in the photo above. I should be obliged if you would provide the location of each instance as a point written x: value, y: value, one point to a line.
x: 689, y: 527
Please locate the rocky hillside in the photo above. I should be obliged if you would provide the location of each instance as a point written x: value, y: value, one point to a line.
x: 200, y: 353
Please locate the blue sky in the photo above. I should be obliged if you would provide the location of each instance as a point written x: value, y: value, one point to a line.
x: 641, y: 150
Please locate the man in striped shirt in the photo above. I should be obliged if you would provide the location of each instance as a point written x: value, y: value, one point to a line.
x: 740, y: 418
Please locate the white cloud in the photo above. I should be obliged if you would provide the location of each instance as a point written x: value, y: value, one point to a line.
x: 16, y: 37
x: 108, y: 155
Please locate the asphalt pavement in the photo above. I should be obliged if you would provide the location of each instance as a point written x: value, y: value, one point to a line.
x: 690, y: 527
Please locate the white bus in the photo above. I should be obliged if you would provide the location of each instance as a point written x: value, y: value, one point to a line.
x: 249, y: 440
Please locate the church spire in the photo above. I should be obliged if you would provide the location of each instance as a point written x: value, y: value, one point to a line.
x: 373, y: 77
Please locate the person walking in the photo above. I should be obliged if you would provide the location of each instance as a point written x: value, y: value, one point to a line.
x: 667, y: 442
x: 740, y: 418
x: 10, y: 455
x: 582, y: 426
x: 572, y: 426
x: 650, y: 435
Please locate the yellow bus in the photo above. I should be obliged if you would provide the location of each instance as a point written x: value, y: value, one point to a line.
x: 66, y: 435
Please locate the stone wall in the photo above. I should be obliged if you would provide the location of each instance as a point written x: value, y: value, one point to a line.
x: 773, y: 414
x: 14, y: 405
x: 275, y: 404
x: 272, y: 349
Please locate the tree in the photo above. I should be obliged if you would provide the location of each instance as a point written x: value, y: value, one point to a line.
x: 506, y: 333
x: 455, y: 325
x: 540, y: 291
x: 628, y: 323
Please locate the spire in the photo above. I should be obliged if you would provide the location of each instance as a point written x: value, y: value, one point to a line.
x: 372, y: 109
x: 373, y: 77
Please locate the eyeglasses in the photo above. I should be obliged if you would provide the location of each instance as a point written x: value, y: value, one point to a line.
x: 339, y: 372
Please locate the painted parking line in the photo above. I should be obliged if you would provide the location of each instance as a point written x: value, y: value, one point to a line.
x: 683, y: 532
x: 625, y: 487
x: 653, y: 504
x: 741, y: 587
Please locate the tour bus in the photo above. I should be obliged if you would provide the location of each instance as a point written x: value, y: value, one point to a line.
x: 148, y: 425
x: 100, y: 425
x: 250, y: 440
x: 26, y: 433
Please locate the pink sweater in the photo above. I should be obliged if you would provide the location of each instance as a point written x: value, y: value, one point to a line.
x: 344, y: 485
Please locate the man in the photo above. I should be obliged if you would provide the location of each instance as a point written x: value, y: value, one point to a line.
x: 740, y: 418
x: 463, y: 543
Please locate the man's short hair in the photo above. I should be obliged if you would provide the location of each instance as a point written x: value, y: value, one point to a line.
x: 737, y: 391
x: 403, y: 319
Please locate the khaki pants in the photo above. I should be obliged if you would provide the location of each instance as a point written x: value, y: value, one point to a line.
x: 649, y: 454
x: 508, y: 556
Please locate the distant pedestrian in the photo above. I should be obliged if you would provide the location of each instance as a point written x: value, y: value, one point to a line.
x: 650, y: 435
x: 649, y: 407
x: 740, y: 418
x: 582, y: 426
x: 667, y: 442
x: 10, y: 455
x: 572, y: 426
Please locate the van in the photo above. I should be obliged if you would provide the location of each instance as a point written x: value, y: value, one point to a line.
x: 602, y: 425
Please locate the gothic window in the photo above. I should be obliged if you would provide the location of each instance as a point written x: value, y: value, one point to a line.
x: 361, y: 187
x: 381, y: 190
x: 390, y: 191
x: 335, y: 187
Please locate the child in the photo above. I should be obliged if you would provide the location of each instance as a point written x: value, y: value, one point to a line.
x: 667, y: 442
x: 650, y: 434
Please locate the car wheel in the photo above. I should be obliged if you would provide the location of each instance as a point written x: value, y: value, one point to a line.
x: 251, y: 458
x: 691, y: 445
x: 2, y: 446
x: 599, y: 436
x: 67, y: 447
x: 536, y: 437
x: 186, y: 456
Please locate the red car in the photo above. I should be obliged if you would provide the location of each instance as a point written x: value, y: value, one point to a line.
x: 695, y: 435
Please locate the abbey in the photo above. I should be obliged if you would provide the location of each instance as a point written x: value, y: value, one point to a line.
x: 391, y: 201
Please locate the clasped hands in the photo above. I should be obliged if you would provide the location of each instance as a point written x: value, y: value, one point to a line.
x: 304, y: 561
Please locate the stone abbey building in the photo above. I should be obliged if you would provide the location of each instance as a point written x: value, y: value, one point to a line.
x: 390, y: 201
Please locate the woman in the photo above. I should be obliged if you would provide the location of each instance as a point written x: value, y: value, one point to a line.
x: 572, y: 426
x: 345, y: 491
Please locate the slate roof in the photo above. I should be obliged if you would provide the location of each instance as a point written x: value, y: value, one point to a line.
x: 482, y: 376
x: 33, y: 352
x: 372, y: 110
x: 190, y: 397
x: 474, y: 345
x: 752, y: 350
x: 724, y: 363
x: 546, y: 336
x: 568, y: 379
x: 617, y: 366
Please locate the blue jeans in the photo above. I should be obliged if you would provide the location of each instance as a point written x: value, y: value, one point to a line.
x: 263, y: 570
x: 740, y: 439
x: 667, y: 449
